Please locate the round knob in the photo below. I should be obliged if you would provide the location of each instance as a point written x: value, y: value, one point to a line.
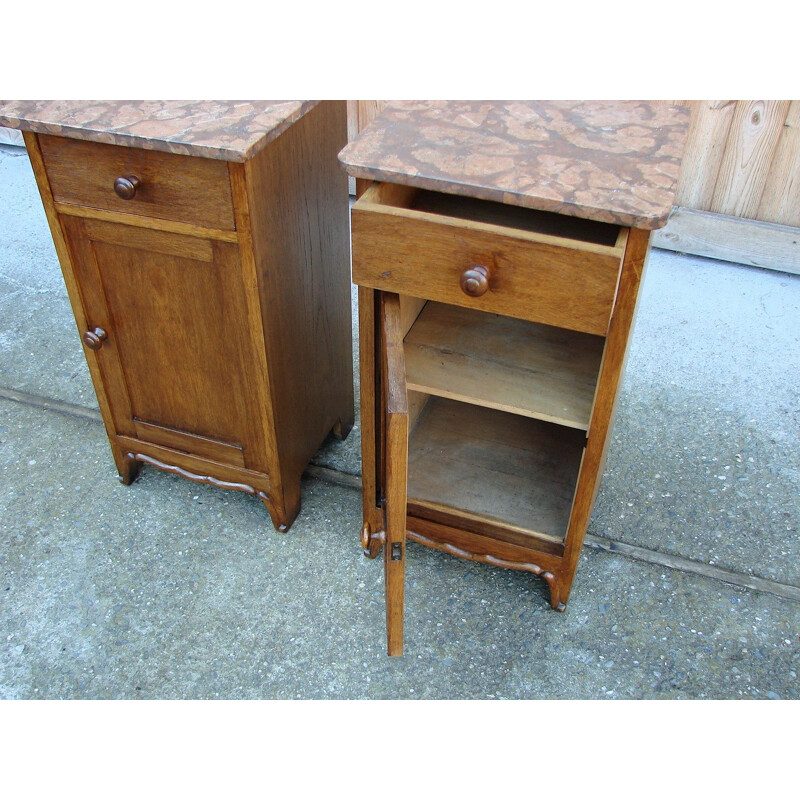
x: 94, y: 339
x: 126, y: 187
x: 475, y: 280
x: 365, y: 537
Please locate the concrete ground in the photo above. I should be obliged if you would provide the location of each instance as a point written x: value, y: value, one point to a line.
x: 689, y: 586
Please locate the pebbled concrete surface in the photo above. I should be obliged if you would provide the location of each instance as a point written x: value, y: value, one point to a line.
x: 170, y: 589
x: 704, y: 460
x: 38, y: 336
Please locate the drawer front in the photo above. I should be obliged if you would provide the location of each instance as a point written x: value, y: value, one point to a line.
x: 172, y: 187
x: 491, y: 270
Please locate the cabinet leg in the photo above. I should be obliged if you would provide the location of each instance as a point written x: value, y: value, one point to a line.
x: 342, y: 427
x: 284, y: 513
x: 282, y: 519
x: 128, y: 468
x: 559, y: 591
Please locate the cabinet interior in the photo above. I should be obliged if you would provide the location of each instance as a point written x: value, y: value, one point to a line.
x: 512, y: 365
x: 498, y: 414
x: 498, y: 468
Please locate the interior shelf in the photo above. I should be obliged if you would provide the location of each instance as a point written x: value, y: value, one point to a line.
x: 508, y: 364
x: 498, y: 468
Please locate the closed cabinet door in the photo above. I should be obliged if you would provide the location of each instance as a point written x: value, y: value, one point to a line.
x: 165, y: 319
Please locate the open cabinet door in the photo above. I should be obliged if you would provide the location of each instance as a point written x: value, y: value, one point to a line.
x: 395, y: 429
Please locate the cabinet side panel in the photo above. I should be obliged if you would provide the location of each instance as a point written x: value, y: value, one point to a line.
x: 298, y: 202
x: 604, y: 406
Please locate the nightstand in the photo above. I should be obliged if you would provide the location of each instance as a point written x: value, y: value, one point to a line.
x: 205, y: 250
x: 498, y: 249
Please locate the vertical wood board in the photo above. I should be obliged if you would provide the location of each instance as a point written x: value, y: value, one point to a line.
x: 780, y: 201
x: 753, y: 138
x: 708, y: 133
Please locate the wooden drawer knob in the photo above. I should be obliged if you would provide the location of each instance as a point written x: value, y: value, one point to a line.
x: 94, y: 339
x: 475, y: 280
x: 126, y: 187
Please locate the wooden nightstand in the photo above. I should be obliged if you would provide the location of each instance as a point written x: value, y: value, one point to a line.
x: 205, y: 251
x: 498, y: 251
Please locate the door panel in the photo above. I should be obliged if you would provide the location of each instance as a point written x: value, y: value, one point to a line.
x: 174, y: 353
x: 395, y: 411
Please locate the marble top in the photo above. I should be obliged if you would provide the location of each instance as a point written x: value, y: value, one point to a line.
x: 229, y: 130
x: 614, y: 162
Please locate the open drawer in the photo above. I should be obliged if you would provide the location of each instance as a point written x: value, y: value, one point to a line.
x: 488, y: 256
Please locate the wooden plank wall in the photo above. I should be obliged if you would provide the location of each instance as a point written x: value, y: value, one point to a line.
x: 361, y: 112
x: 743, y: 160
x: 738, y: 195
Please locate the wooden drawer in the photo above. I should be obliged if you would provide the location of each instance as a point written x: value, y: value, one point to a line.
x: 536, y: 266
x: 172, y: 187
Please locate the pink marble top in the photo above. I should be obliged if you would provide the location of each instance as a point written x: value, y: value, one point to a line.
x: 230, y: 130
x: 609, y: 161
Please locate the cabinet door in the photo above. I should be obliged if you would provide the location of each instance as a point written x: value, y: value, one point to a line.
x: 166, y: 319
x: 395, y: 467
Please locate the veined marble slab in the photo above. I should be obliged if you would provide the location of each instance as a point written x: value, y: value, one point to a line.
x: 611, y: 161
x: 229, y: 130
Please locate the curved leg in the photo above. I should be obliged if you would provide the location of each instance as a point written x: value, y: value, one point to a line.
x: 283, y: 514
x: 128, y: 469
x: 558, y: 592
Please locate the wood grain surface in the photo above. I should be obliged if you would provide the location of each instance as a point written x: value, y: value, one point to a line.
x: 499, y: 362
x: 396, y: 470
x: 752, y: 141
x: 501, y: 467
x: 174, y: 187
x: 542, y: 278
x: 215, y: 304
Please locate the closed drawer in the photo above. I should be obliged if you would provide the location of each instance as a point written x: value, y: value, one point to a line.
x: 513, y: 261
x: 171, y: 187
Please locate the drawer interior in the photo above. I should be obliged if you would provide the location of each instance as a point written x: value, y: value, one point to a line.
x: 500, y: 215
x: 548, y: 272
x: 526, y: 219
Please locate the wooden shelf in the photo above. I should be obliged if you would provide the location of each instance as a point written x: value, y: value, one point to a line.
x: 508, y: 364
x: 498, y: 468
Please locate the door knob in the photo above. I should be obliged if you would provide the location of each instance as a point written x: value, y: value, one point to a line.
x: 94, y: 338
x: 475, y: 280
x: 126, y: 187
